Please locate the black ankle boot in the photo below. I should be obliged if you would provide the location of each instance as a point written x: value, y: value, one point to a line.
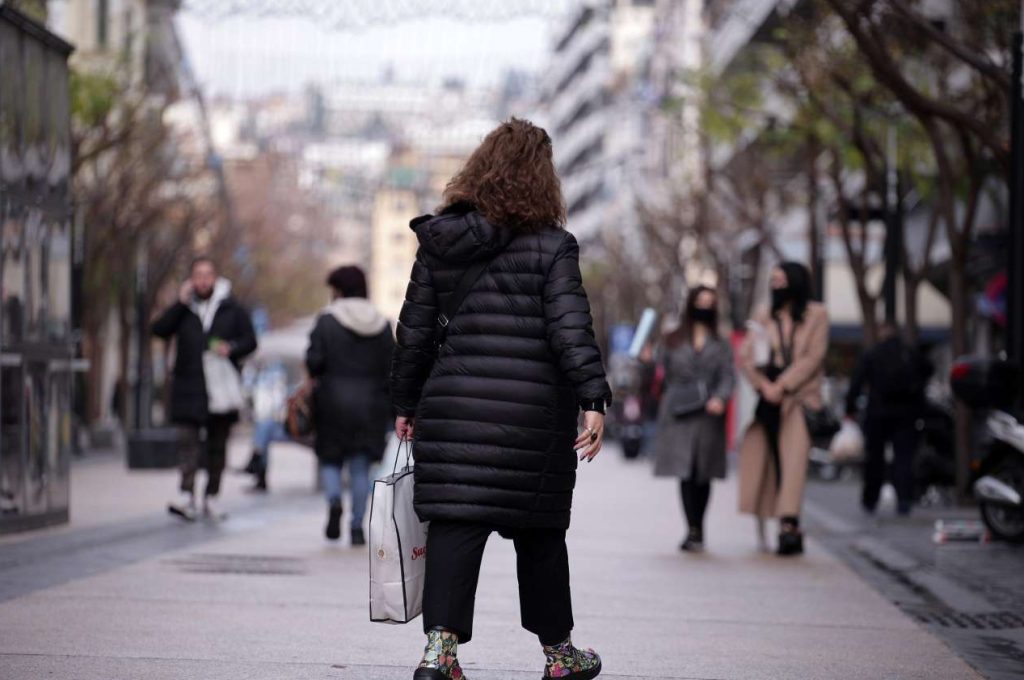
x: 253, y: 466
x: 260, y: 481
x: 333, y: 530
x: 791, y: 540
x: 694, y: 541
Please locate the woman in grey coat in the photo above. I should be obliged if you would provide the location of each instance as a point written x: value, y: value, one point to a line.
x: 699, y: 379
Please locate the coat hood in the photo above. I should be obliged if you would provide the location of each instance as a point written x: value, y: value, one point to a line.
x: 359, y: 315
x: 207, y: 309
x: 460, y: 234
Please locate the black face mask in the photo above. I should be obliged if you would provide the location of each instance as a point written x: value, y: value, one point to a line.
x: 780, y: 296
x: 704, y: 316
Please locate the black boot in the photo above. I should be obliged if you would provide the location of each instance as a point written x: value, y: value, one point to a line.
x: 254, y: 464
x: 259, y: 478
x: 694, y: 541
x: 333, y: 530
x: 791, y: 539
x: 358, y: 537
x: 260, y: 486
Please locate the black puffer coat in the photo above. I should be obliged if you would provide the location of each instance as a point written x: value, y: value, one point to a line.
x: 497, y: 417
x: 349, y: 355
x: 189, y: 405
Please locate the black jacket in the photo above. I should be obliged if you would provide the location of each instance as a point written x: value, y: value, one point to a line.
x: 349, y: 355
x: 895, y: 375
x: 188, y: 387
x: 496, y: 413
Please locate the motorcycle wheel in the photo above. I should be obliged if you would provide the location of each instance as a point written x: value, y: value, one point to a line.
x: 1005, y: 522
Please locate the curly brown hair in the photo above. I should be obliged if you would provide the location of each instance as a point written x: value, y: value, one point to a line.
x: 510, y: 178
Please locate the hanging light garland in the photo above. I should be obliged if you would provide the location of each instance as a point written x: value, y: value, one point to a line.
x: 358, y: 14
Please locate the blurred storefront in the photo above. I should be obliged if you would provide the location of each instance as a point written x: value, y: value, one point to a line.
x: 37, y: 347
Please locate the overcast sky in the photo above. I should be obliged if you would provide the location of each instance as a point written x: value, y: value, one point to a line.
x: 244, y: 57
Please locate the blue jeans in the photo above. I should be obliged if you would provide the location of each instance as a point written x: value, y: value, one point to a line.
x: 359, y: 479
x: 264, y: 432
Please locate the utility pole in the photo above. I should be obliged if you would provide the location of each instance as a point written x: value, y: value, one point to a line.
x: 1015, y: 263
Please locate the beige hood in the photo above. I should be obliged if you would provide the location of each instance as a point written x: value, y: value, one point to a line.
x: 359, y: 315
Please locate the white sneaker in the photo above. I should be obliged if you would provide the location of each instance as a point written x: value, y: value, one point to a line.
x: 184, y: 506
x: 211, y: 509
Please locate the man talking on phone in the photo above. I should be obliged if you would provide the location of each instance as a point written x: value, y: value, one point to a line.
x: 205, y: 320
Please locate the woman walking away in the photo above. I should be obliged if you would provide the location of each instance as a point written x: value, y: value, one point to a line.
x: 349, y: 356
x: 783, y: 358
x: 699, y: 379
x: 494, y: 394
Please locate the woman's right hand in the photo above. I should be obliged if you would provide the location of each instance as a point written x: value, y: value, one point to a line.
x: 772, y: 393
x: 404, y: 427
x: 715, y: 406
x: 588, y: 443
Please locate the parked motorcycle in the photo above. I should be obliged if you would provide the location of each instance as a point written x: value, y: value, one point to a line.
x: 991, y: 386
x: 631, y: 426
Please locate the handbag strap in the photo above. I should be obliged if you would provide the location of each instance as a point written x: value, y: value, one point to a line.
x: 451, y: 307
x: 787, y: 350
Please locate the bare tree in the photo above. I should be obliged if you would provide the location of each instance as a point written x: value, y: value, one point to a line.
x: 138, y: 200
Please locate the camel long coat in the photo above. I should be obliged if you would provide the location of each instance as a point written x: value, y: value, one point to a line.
x: 759, y: 494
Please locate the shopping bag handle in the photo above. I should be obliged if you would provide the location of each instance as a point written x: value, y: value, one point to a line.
x: 408, y: 454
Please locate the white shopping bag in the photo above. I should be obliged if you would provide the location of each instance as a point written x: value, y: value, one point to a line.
x: 848, y: 444
x: 223, y: 384
x: 398, y: 549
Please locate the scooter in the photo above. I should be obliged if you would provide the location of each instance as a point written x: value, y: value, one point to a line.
x: 631, y: 428
x: 991, y: 385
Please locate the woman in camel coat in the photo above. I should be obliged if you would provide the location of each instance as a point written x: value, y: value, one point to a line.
x: 783, y: 359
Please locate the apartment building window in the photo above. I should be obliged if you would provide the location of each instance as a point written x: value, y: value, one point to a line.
x: 102, y: 22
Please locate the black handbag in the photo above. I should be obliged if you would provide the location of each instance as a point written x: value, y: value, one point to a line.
x: 688, y: 399
x: 822, y: 424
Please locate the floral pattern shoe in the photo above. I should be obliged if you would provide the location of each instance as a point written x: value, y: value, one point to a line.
x: 569, y: 662
x: 439, y: 657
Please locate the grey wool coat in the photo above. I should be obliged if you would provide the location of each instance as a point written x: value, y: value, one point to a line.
x: 694, y: 446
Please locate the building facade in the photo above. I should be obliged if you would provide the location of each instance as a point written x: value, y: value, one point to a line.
x: 593, y: 111
x: 37, y: 329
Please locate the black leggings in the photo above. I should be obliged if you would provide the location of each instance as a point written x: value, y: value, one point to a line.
x: 695, y: 503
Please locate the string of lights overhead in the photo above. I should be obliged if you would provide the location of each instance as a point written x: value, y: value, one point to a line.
x: 357, y: 14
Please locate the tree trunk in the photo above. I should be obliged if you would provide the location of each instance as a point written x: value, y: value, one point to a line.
x: 911, y: 327
x: 817, y: 257
x: 93, y: 351
x: 124, y: 361
x: 958, y: 301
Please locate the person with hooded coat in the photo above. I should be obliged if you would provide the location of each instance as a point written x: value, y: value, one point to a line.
x: 349, y: 357
x: 494, y: 409
x: 205, y: 318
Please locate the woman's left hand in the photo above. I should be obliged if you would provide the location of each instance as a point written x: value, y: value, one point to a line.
x: 588, y: 444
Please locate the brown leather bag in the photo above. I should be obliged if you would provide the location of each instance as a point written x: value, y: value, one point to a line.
x: 299, y: 422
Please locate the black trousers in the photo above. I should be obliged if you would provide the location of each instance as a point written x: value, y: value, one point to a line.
x: 902, y: 433
x: 454, y: 552
x: 211, y: 440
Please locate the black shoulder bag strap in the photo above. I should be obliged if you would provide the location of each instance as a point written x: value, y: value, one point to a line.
x: 469, y: 278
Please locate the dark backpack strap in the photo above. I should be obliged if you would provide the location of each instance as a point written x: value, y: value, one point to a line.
x: 451, y: 307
